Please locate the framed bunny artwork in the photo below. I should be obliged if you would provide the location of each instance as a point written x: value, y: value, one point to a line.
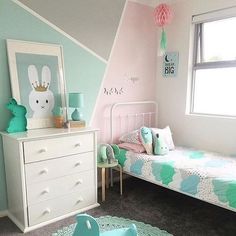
x: 37, y: 80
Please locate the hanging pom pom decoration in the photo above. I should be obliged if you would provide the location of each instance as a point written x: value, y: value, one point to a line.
x: 163, y: 15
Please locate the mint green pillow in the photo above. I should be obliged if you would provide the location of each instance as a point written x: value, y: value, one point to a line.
x: 146, y: 138
x: 160, y: 146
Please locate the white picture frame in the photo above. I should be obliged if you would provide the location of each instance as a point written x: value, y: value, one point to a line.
x: 37, y: 80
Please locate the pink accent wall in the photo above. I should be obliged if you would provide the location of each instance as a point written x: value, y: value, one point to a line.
x: 134, y: 55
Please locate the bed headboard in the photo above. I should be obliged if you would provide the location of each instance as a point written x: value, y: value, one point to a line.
x: 128, y: 116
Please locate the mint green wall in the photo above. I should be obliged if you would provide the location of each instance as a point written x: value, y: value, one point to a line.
x: 83, y: 71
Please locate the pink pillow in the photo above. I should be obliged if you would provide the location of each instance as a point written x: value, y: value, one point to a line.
x: 138, y: 148
x: 131, y: 137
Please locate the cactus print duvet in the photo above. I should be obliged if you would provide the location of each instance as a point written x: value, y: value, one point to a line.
x: 207, y: 176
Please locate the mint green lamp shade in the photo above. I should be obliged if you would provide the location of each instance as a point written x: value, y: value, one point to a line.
x: 76, y: 100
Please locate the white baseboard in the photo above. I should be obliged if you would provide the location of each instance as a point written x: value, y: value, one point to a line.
x: 3, y: 213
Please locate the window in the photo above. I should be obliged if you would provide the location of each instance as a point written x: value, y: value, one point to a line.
x: 214, y: 68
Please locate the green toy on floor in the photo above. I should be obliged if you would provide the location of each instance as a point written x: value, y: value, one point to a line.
x: 88, y: 226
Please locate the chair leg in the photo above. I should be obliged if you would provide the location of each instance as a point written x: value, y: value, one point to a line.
x: 121, y: 180
x: 111, y: 177
x: 103, y: 184
x: 107, y: 178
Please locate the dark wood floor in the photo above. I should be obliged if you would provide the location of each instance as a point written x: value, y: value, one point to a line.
x: 142, y: 201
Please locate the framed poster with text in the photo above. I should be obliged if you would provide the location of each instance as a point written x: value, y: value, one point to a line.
x: 170, y: 64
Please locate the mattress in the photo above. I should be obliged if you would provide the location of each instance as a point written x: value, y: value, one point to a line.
x: 204, y: 175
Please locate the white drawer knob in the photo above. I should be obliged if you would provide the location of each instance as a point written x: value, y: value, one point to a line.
x: 45, y: 191
x: 47, y: 211
x: 80, y: 181
x: 80, y: 200
x: 44, y: 171
x: 77, y: 144
x: 78, y: 163
x: 43, y: 150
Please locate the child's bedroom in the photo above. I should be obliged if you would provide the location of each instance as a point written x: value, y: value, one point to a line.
x: 118, y: 117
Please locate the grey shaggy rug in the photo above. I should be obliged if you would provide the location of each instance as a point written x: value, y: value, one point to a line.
x: 178, y: 214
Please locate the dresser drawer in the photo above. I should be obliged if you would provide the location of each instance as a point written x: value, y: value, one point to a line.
x: 46, y: 190
x: 47, y: 210
x: 51, y: 169
x: 39, y: 150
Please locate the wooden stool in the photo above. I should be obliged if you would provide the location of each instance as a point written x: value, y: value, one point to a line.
x: 105, y: 177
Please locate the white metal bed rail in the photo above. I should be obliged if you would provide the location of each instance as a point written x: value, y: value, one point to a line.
x: 136, y: 115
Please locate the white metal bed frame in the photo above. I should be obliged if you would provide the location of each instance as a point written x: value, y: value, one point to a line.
x: 112, y: 111
x: 135, y: 117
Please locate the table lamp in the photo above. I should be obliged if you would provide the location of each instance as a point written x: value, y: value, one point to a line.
x: 76, y: 100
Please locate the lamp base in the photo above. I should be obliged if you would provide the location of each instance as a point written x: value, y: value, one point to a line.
x: 76, y: 115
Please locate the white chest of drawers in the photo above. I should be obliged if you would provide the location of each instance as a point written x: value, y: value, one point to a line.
x: 51, y: 174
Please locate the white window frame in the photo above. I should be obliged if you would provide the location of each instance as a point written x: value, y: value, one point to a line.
x: 198, y: 63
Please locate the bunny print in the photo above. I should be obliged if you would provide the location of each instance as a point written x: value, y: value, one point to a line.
x: 41, y: 98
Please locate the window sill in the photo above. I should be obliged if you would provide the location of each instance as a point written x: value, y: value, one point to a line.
x: 203, y: 115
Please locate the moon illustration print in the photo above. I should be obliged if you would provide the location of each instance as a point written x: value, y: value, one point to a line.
x: 41, y: 99
x: 166, y: 59
x: 170, y: 64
